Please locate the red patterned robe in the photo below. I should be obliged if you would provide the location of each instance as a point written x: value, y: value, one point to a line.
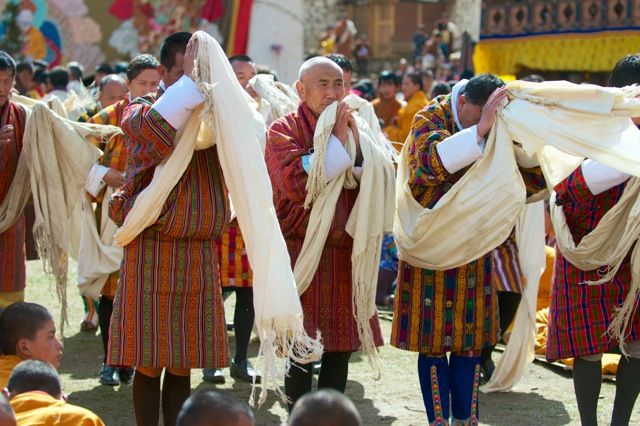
x: 12, y: 248
x: 453, y: 310
x: 168, y: 309
x: 580, y: 315
x: 327, y: 302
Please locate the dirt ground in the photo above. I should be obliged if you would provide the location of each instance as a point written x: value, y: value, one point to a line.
x: 543, y: 397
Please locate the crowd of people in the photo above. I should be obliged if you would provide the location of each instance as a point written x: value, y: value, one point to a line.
x: 328, y: 148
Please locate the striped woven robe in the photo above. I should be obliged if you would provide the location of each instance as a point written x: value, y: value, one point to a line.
x: 580, y: 315
x: 327, y: 303
x: 168, y: 309
x: 12, y: 248
x: 453, y: 310
x: 114, y: 156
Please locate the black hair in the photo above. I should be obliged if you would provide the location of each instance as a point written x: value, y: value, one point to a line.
x: 121, y: 67
x: 366, y: 89
x: 480, y: 87
x: 416, y: 78
x: 626, y: 72
x: 343, y: 62
x: 76, y: 70
x: 32, y: 375
x: 213, y: 408
x: 440, y: 88
x: 265, y: 69
x: 325, y: 407
x: 388, y: 77
x: 59, y: 78
x: 240, y: 58
x: 139, y: 64
x: 21, y: 320
x: 25, y: 66
x: 534, y: 78
x: 104, y: 68
x: 171, y: 46
x: 7, y: 63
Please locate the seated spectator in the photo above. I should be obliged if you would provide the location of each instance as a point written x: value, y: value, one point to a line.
x: 412, y: 88
x: 36, y: 397
x: 27, y: 331
x: 213, y: 408
x: 386, y: 105
x: 325, y: 407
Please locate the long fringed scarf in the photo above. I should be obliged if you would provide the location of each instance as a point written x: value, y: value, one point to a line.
x: 53, y: 167
x: 370, y: 218
x: 227, y: 119
x: 560, y: 124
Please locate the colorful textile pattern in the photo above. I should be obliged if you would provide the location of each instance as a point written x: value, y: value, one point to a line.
x: 168, y: 309
x: 389, y: 257
x: 12, y: 241
x: 114, y: 156
x: 507, y: 276
x: 235, y: 270
x: 441, y: 311
x: 580, y: 314
x: 327, y: 303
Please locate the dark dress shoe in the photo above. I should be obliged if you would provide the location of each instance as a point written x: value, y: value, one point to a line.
x: 243, y: 371
x: 213, y: 375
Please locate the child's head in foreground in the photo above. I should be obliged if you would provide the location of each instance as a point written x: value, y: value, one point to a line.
x: 28, y: 331
x: 325, y: 407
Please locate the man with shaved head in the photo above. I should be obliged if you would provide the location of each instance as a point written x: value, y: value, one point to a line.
x: 327, y: 302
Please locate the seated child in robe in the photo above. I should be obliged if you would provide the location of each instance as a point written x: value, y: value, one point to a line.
x: 36, y: 397
x: 27, y: 331
x: 324, y: 407
x: 213, y: 408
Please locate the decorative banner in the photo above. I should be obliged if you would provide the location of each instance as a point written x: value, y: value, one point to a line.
x: 92, y: 32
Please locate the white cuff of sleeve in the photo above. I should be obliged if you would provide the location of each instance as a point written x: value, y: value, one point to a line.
x: 600, y: 178
x: 177, y: 103
x: 94, y: 183
x: 357, y: 172
x: 460, y: 150
x: 337, y: 159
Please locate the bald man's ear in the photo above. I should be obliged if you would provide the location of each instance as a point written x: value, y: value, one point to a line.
x: 300, y: 90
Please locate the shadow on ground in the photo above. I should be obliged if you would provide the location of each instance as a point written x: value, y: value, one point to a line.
x: 500, y: 409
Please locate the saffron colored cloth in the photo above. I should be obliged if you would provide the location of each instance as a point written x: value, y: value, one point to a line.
x: 12, y: 241
x: 402, y: 127
x: 167, y: 310
x: 114, y: 156
x: 386, y: 110
x: 7, y: 364
x: 235, y: 270
x: 39, y: 408
x: 580, y: 314
x: 327, y: 302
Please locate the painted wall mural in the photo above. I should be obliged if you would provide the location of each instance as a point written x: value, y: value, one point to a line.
x: 94, y: 31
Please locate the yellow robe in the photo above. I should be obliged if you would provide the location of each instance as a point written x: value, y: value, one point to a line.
x: 7, y: 364
x: 400, y: 131
x: 41, y: 409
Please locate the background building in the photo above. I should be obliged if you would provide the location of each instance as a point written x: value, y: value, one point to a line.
x: 576, y: 40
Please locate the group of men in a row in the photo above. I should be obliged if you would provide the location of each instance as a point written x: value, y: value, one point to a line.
x: 163, y: 310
